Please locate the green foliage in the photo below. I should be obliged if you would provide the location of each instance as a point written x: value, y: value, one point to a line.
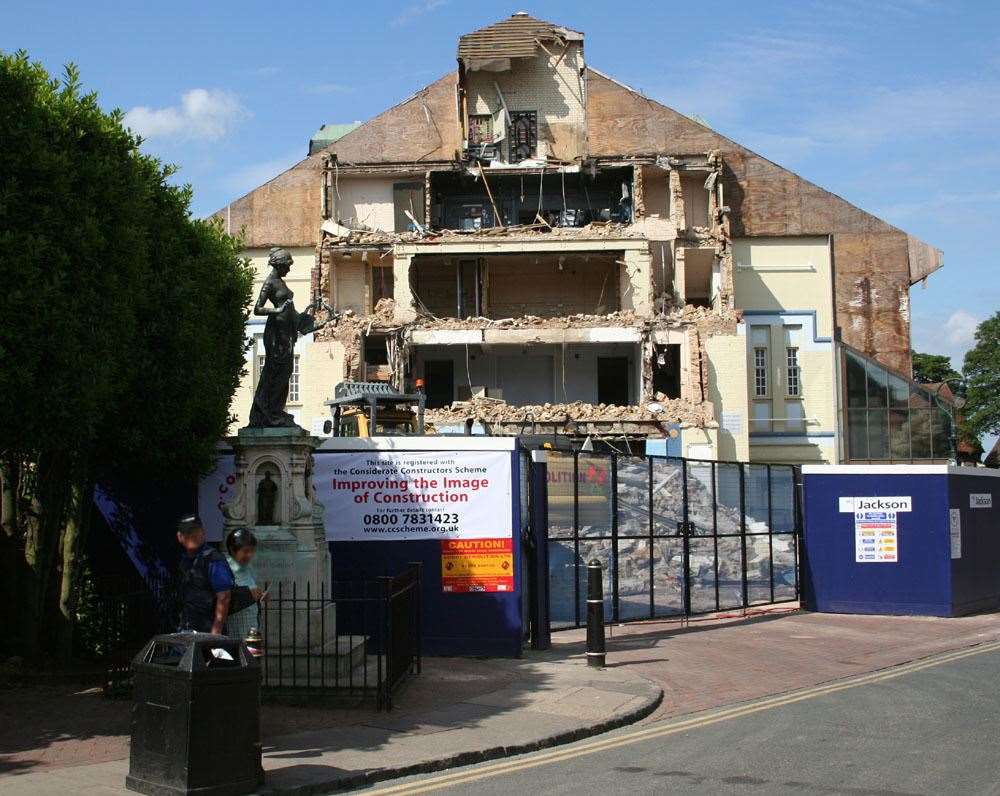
x: 982, y: 374
x: 121, y: 330
x: 934, y: 369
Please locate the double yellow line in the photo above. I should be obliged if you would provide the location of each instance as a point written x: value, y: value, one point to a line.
x: 661, y: 730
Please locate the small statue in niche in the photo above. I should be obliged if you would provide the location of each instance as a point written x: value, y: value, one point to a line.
x: 267, y: 499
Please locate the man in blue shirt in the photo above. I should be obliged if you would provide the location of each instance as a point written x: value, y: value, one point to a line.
x: 208, y: 590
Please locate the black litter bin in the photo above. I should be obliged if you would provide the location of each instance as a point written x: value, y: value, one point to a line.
x: 195, y: 717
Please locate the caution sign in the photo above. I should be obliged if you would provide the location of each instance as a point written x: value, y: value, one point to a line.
x: 477, y: 565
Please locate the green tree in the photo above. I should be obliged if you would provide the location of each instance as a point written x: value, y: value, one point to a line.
x: 982, y: 375
x: 934, y: 369
x: 121, y: 335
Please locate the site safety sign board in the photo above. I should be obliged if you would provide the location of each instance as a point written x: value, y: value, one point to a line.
x: 875, y: 537
x: 477, y: 565
x: 377, y: 495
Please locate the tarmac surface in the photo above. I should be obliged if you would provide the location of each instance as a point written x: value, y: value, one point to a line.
x: 931, y: 727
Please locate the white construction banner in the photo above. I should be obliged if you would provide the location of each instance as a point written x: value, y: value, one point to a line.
x: 376, y: 495
x: 875, y: 537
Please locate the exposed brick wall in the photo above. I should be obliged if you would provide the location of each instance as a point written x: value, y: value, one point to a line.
x: 535, y: 84
x: 872, y: 265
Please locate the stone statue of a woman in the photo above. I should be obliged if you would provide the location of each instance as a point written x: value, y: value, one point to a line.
x: 281, y: 330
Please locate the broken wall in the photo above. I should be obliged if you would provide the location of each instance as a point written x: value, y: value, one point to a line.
x: 546, y: 285
x: 284, y: 211
x: 424, y: 127
x: 364, y: 202
x: 872, y: 258
x: 551, y: 85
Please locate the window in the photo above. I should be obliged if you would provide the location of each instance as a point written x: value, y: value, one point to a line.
x: 293, y: 382
x: 480, y: 130
x: 792, y: 379
x: 760, y: 371
x: 523, y: 135
x: 760, y: 339
x: 890, y: 418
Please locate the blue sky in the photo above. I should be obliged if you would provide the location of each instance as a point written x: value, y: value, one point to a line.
x: 893, y: 105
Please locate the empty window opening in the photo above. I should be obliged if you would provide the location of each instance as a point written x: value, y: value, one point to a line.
x: 695, y: 199
x: 382, y: 283
x: 439, y: 382
x: 377, y: 358
x: 407, y: 197
x: 470, y: 288
x: 667, y: 370
x: 699, y: 266
x: 612, y: 381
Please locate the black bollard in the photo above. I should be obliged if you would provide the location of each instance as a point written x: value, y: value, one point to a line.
x: 595, y: 614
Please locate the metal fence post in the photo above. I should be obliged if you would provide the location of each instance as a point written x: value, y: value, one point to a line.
x: 541, y: 633
x: 595, y: 614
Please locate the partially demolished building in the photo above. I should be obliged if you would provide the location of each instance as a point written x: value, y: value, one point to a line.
x: 540, y: 244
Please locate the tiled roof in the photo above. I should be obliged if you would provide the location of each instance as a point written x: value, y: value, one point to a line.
x: 514, y: 37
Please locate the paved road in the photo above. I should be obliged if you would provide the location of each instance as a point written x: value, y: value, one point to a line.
x: 931, y: 727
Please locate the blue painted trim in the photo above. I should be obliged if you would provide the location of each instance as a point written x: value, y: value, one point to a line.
x: 780, y: 313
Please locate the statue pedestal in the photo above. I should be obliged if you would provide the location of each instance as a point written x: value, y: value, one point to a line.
x: 293, y: 559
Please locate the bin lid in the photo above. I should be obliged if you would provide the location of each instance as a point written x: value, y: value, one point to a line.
x: 195, y: 652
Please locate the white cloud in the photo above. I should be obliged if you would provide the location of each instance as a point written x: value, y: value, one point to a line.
x: 411, y: 12
x: 206, y: 114
x: 960, y: 328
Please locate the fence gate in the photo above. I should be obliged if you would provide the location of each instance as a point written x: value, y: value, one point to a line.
x: 676, y: 536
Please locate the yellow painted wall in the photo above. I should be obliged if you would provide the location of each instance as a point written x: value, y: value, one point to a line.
x: 727, y: 380
x: 785, y: 284
x: 819, y: 451
x: 785, y: 274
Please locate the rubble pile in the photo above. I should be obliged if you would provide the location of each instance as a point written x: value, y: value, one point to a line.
x: 496, y: 411
x: 621, y: 318
x: 345, y: 237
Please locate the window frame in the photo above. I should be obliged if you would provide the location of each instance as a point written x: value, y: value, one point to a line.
x: 761, y: 372
x: 793, y: 372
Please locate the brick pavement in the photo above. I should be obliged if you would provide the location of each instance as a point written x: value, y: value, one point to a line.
x: 705, y: 664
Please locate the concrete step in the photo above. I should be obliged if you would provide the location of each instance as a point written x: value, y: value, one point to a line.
x: 337, y: 665
x: 301, y: 627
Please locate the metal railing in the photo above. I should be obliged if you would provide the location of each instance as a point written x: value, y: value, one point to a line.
x: 675, y: 536
x: 355, y: 640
